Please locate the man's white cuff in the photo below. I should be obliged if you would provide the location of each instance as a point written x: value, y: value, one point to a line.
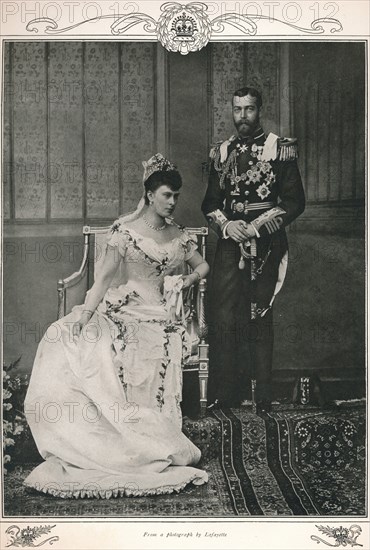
x: 224, y: 234
x: 255, y: 230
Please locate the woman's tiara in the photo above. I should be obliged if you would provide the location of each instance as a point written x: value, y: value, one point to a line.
x: 157, y: 163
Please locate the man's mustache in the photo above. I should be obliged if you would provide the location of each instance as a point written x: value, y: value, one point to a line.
x: 242, y: 122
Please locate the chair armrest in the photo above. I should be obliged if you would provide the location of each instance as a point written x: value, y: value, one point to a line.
x: 73, y: 280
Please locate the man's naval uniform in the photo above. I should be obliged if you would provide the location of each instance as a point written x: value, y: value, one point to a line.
x: 255, y: 179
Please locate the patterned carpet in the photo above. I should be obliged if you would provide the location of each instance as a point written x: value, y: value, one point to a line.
x: 302, y: 462
x: 295, y: 462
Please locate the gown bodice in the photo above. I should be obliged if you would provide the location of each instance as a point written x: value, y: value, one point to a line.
x: 144, y: 263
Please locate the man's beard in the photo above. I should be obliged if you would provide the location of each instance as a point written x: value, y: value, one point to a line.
x: 246, y: 129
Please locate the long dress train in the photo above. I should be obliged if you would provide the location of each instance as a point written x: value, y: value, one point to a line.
x: 105, y: 411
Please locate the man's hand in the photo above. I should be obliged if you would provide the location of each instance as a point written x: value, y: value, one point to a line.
x: 240, y: 231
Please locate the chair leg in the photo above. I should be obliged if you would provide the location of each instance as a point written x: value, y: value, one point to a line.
x: 203, y: 409
x: 203, y: 386
x: 203, y: 377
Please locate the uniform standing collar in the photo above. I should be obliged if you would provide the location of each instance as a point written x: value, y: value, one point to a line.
x: 257, y: 134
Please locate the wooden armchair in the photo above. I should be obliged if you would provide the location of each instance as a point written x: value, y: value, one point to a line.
x: 72, y: 290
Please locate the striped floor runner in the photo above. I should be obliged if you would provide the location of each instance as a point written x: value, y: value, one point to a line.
x: 302, y: 463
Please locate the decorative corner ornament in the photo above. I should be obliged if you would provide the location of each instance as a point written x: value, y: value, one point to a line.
x: 28, y: 535
x: 341, y: 535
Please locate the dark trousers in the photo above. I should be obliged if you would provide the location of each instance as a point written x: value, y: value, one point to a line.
x: 241, y: 339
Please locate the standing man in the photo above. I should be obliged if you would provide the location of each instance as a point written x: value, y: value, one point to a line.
x: 254, y: 191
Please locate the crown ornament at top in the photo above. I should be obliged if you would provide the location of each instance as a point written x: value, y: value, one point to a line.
x: 184, y: 27
x: 156, y: 163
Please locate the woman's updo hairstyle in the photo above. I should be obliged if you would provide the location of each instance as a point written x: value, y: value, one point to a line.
x: 171, y: 178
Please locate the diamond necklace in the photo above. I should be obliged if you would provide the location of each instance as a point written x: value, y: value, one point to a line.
x: 153, y: 227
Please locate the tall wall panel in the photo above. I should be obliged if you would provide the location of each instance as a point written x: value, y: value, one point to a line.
x: 66, y: 154
x: 138, y: 95
x: 101, y: 129
x: 329, y: 118
x: 30, y: 155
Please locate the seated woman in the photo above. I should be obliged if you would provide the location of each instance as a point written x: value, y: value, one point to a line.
x: 104, y: 397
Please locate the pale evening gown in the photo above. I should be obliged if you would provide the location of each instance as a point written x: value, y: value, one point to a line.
x: 105, y: 411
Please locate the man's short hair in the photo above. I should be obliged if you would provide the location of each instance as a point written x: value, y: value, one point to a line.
x: 247, y: 90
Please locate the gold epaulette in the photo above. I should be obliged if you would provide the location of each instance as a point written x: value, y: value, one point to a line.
x: 287, y: 148
x: 221, y: 146
x: 213, y: 150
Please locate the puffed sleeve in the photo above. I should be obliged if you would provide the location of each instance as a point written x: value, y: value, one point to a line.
x: 117, y: 237
x: 190, y: 244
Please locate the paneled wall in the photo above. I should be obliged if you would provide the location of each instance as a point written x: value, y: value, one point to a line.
x: 327, y: 83
x: 79, y: 120
x: 81, y: 117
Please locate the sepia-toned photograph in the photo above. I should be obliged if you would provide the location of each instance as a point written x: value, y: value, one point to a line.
x: 184, y: 280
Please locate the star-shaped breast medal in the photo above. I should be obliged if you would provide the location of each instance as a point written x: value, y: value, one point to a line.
x: 263, y: 191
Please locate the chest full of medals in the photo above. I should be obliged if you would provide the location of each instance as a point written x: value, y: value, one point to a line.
x: 250, y: 182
